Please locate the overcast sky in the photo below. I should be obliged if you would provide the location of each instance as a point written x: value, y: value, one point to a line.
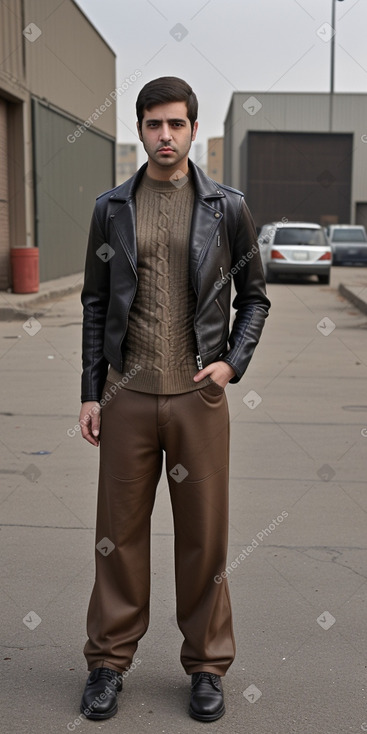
x: 222, y: 46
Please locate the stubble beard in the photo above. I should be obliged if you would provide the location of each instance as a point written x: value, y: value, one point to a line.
x: 167, y: 162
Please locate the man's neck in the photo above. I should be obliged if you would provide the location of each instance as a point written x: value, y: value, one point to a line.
x: 166, y: 174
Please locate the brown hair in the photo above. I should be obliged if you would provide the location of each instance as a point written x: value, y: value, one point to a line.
x: 166, y: 89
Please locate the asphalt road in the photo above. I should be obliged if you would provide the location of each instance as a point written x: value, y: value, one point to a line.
x: 298, y: 532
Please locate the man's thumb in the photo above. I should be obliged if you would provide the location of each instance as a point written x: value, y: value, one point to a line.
x: 95, y: 424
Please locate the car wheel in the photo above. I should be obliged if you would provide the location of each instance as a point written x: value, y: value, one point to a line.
x: 324, y: 279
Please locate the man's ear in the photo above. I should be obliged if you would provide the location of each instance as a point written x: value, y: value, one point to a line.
x: 194, y: 130
x: 139, y: 131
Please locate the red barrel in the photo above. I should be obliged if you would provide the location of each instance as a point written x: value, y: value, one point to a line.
x: 25, y: 269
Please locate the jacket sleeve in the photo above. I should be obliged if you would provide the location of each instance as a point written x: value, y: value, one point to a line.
x: 251, y: 303
x: 95, y: 300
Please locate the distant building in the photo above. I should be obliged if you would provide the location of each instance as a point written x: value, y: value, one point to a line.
x: 57, y: 131
x: 197, y: 155
x: 300, y: 156
x: 126, y: 162
x: 215, y: 159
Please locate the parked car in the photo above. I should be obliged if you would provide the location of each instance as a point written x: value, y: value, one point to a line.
x: 348, y: 243
x: 295, y: 248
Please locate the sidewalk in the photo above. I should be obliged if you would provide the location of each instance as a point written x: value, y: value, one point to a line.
x: 356, y: 294
x: 14, y: 305
x: 297, y: 542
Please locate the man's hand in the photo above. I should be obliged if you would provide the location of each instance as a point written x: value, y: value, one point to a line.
x: 90, y: 420
x: 220, y: 372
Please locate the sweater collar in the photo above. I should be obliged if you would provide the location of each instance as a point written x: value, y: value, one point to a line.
x: 165, y: 187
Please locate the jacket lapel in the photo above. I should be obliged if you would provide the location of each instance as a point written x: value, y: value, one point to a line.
x: 206, y: 219
x: 122, y: 214
x: 124, y: 222
x: 204, y: 225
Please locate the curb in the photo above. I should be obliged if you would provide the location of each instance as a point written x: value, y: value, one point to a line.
x: 347, y: 293
x: 25, y: 309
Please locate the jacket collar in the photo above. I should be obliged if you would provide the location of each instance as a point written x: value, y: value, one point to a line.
x: 205, y: 187
x: 206, y: 217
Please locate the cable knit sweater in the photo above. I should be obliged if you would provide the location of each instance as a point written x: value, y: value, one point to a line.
x: 160, y: 336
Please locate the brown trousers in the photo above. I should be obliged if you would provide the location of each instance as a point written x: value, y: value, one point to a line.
x: 193, y: 430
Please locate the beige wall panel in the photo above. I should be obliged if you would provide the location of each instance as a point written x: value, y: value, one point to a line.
x: 4, y: 205
x: 69, y: 64
x: 215, y: 159
x: 11, y: 39
x: 350, y: 115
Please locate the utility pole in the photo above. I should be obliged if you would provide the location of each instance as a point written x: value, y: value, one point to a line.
x: 332, y: 63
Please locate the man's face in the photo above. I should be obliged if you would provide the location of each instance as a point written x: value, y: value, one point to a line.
x: 167, y: 136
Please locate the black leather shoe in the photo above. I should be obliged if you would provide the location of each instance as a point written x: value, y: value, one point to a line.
x: 100, y: 694
x: 206, y: 702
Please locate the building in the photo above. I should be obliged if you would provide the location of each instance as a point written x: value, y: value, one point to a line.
x: 126, y: 162
x: 57, y: 131
x: 197, y: 155
x: 215, y: 159
x: 300, y: 156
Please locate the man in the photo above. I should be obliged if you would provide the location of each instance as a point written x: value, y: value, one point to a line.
x: 157, y: 355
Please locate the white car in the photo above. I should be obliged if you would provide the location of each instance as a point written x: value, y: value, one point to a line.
x: 348, y: 243
x: 295, y: 248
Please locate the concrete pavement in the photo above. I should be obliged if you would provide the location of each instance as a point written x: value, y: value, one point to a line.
x: 17, y: 305
x: 13, y: 305
x: 297, y: 554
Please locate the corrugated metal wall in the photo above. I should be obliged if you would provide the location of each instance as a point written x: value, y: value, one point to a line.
x: 68, y: 177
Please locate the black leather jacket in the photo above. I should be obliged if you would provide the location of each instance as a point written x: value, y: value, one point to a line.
x: 223, y: 239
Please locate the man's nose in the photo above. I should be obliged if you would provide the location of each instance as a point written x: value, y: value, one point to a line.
x: 166, y: 132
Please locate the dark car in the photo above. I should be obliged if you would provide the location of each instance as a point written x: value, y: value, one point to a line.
x: 348, y: 243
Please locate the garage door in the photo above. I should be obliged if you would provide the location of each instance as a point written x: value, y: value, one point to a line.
x: 4, y: 196
x: 301, y: 176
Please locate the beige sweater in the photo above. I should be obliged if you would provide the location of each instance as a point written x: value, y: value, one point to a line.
x: 160, y: 337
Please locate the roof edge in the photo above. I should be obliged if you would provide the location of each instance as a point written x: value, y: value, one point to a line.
x: 94, y: 27
x: 299, y: 94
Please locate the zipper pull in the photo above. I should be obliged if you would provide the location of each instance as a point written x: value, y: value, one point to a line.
x: 222, y: 275
x: 199, y: 362
x: 218, y: 240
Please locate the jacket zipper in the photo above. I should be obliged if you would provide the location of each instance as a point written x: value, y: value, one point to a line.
x: 220, y: 308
